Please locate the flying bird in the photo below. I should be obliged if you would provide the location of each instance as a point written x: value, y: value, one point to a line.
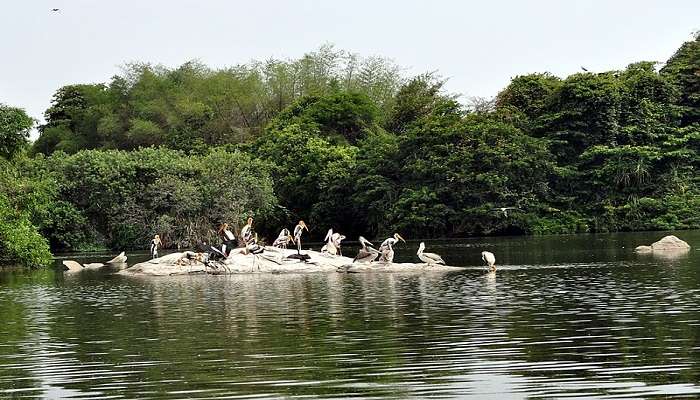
x: 584, y: 69
x: 55, y: 9
x: 429, y: 258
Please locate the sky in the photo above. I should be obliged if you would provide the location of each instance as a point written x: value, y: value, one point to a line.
x: 477, y: 45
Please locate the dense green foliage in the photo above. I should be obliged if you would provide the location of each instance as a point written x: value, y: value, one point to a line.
x: 346, y: 142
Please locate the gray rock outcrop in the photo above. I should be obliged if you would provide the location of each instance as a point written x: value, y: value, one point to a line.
x: 667, y: 243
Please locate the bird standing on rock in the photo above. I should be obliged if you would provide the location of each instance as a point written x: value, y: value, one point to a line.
x: 387, y: 248
x: 298, y: 230
x: 367, y: 253
x: 429, y: 258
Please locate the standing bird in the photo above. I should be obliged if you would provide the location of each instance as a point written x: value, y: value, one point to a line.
x: 489, y: 259
x: 332, y: 245
x: 387, y: 248
x: 367, y: 253
x: 283, y: 239
x: 298, y: 230
x: 247, y: 231
x: 429, y: 258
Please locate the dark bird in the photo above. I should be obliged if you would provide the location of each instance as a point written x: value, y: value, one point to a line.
x: 584, y: 69
x: 55, y: 9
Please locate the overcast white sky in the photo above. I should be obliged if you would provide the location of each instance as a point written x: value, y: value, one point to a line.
x: 478, y: 45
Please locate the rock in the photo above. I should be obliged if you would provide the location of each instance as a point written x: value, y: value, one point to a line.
x: 667, y: 243
x: 73, y: 266
x: 670, y: 243
x: 93, y: 265
x: 643, y: 249
x: 120, y: 259
x: 272, y: 261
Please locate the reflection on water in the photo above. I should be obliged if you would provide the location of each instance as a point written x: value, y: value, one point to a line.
x: 573, y: 316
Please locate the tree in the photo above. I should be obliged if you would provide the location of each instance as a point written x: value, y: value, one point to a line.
x: 14, y: 130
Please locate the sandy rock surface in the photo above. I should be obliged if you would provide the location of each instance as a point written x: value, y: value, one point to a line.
x: 667, y: 243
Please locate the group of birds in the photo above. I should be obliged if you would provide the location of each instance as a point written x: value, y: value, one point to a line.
x: 367, y: 253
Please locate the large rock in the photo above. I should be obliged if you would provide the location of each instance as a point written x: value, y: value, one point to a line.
x: 274, y: 261
x: 73, y: 266
x: 667, y: 243
x: 120, y: 259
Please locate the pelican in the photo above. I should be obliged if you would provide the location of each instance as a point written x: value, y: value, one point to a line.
x: 504, y: 210
x: 332, y: 245
x: 387, y: 248
x: 489, y: 259
x: 367, y: 253
x: 283, y: 239
x: 298, y: 230
x: 429, y: 258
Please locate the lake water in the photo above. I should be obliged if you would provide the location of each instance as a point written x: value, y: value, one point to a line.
x: 565, y: 316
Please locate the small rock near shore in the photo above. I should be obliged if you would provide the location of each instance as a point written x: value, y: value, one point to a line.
x: 667, y: 243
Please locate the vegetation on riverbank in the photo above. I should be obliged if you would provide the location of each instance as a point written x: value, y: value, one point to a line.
x: 348, y: 142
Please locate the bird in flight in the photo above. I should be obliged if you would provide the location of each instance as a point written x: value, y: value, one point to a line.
x: 55, y: 9
x: 504, y: 210
x: 584, y: 69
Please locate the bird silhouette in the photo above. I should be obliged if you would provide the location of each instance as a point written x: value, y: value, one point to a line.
x: 584, y: 69
x: 55, y: 9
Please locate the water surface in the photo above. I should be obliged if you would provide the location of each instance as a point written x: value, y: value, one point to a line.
x: 565, y: 316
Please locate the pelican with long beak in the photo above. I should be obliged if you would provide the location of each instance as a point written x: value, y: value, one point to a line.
x: 367, y: 253
x: 489, y: 259
x: 298, y: 230
x: 332, y: 245
x: 283, y: 239
x: 429, y: 258
x: 387, y: 248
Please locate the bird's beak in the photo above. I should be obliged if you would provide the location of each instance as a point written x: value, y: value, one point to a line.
x: 402, y: 239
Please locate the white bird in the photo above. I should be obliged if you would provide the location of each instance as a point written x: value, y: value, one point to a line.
x: 387, y: 248
x: 283, y: 239
x: 489, y: 259
x: 298, y: 230
x: 429, y: 258
x: 332, y: 245
x: 504, y: 210
x: 367, y: 253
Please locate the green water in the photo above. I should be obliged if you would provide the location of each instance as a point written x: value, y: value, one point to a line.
x: 565, y: 316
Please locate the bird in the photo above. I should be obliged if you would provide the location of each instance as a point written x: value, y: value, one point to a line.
x: 584, y: 69
x: 298, y: 230
x: 367, y: 253
x: 283, y: 239
x: 429, y: 258
x: 504, y: 210
x: 387, y: 248
x: 489, y: 259
x: 332, y: 245
x: 55, y: 9
x: 247, y: 231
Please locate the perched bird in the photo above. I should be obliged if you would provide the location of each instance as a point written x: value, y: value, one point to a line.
x: 298, y: 230
x: 387, y: 248
x: 367, y: 253
x: 504, y: 210
x: 247, y: 231
x: 489, y: 259
x: 283, y: 239
x: 332, y: 245
x: 429, y: 258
